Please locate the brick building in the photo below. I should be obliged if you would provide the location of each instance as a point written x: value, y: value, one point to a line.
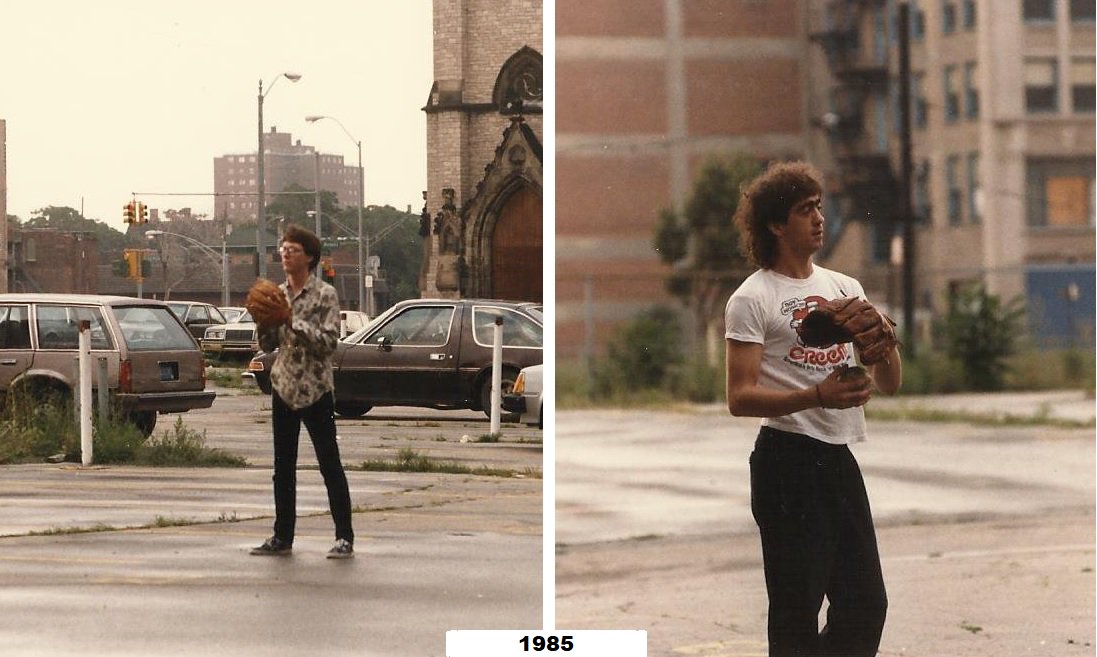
x: 1003, y: 143
x: 482, y: 221
x: 287, y: 163
x: 51, y: 260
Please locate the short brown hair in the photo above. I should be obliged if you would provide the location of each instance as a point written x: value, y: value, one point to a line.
x: 308, y: 241
x: 767, y: 201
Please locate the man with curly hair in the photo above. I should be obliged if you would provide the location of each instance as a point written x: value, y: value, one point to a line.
x: 807, y: 493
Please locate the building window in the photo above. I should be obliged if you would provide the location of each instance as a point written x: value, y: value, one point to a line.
x: 917, y: 21
x: 1060, y: 193
x: 918, y: 100
x: 30, y: 250
x: 1082, y: 11
x: 952, y: 178
x: 922, y: 209
x: 1041, y: 85
x: 971, y: 91
x: 948, y: 17
x: 952, y: 97
x: 1082, y: 72
x: 974, y: 191
x: 969, y: 14
x: 1039, y: 10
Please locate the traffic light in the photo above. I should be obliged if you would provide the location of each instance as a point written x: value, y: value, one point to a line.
x: 142, y: 216
x: 133, y: 263
x: 327, y: 270
x: 129, y: 212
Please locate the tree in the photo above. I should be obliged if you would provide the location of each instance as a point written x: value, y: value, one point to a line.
x: 295, y: 203
x: 400, y: 247
x: 111, y: 241
x: 981, y: 332
x: 702, y: 245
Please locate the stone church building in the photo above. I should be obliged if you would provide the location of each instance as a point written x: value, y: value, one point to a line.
x: 482, y: 218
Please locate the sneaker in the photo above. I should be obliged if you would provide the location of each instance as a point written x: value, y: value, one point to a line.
x: 273, y: 547
x: 343, y: 549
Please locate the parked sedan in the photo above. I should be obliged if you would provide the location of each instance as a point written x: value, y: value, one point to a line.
x: 428, y: 353
x: 196, y: 316
x: 237, y: 338
x: 525, y: 396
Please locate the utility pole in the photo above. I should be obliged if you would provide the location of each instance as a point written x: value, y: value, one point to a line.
x: 905, y: 179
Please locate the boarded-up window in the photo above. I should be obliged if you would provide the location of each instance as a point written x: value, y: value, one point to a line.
x: 1067, y: 200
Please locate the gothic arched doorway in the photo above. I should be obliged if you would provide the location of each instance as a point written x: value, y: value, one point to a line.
x: 517, y: 248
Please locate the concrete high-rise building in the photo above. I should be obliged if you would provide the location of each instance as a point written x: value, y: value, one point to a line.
x: 235, y: 181
x: 1003, y: 148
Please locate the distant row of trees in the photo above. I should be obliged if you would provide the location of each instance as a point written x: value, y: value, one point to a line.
x: 400, y: 250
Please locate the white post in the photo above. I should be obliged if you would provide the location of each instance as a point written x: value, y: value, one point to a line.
x: 85, y: 392
x: 496, y: 375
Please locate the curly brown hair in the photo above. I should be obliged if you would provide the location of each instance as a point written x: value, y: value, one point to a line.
x: 308, y: 241
x: 766, y: 201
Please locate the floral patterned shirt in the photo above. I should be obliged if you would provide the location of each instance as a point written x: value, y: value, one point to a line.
x: 302, y: 369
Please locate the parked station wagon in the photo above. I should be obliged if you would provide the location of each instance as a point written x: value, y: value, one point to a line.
x: 153, y: 363
x: 430, y: 353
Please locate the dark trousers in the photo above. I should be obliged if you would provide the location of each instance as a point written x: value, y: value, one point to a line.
x: 319, y: 419
x: 809, y: 500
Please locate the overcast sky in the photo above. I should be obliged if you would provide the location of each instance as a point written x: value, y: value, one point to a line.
x: 103, y: 99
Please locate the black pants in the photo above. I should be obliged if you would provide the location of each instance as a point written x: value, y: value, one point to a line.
x: 809, y: 500
x: 319, y: 419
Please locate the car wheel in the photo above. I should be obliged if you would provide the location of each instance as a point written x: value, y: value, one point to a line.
x: 352, y: 410
x: 506, y: 384
x: 144, y: 420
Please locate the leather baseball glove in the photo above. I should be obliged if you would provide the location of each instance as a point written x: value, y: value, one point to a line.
x: 850, y: 320
x: 267, y: 304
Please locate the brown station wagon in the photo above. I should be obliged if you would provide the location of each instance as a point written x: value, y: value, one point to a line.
x: 430, y: 353
x: 153, y: 363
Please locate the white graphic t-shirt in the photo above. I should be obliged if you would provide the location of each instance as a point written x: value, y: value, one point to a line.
x: 766, y: 309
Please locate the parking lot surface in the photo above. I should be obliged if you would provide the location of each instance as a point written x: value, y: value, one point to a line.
x: 119, y: 560
x: 986, y: 531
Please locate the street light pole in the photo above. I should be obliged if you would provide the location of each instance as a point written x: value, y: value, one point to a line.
x: 363, y: 306
x: 261, y: 212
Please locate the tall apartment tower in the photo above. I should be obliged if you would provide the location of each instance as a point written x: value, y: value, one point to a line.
x: 287, y: 163
x: 482, y: 218
x: 1003, y: 145
x: 647, y: 90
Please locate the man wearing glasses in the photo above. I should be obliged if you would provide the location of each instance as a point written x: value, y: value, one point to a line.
x: 303, y: 386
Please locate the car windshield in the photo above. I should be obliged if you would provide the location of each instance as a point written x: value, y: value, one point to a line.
x: 152, y: 328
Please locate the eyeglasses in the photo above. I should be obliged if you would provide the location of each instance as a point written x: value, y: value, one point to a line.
x: 290, y: 250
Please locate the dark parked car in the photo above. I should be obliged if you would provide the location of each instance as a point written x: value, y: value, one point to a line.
x: 428, y: 352
x: 197, y: 316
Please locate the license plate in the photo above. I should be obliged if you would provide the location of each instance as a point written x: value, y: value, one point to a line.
x: 169, y: 371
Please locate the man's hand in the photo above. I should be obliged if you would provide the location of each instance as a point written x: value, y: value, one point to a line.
x: 846, y: 387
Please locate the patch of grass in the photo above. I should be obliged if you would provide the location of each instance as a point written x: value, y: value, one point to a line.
x: 974, y: 629
x: 64, y: 531
x: 230, y: 377
x: 184, y: 447
x: 1041, y: 419
x: 409, y: 460
x: 488, y: 438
